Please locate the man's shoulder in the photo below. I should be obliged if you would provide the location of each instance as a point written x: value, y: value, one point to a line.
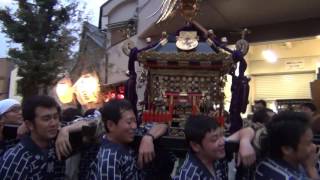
x: 110, y: 153
x: 16, y: 158
x: 17, y: 151
x: 268, y: 170
x: 189, y: 169
x: 187, y: 172
x: 113, y: 161
x: 185, y: 176
x: 120, y: 149
x: 106, y: 151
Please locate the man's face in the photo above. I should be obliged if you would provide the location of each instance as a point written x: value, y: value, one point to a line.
x: 270, y: 114
x: 307, y: 110
x: 13, y: 115
x: 46, y: 123
x: 258, y: 106
x: 124, y: 130
x: 305, y: 148
x: 213, y: 145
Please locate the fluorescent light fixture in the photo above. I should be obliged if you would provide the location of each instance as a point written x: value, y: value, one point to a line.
x: 269, y: 56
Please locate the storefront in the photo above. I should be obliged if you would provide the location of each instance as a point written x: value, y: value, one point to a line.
x: 289, y: 76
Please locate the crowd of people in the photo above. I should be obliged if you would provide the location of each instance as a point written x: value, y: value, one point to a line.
x: 34, y: 145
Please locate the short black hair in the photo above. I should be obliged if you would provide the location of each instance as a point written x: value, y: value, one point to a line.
x: 261, y: 101
x: 70, y: 114
x: 285, y: 129
x: 89, y: 112
x: 197, y: 126
x: 30, y: 105
x: 112, y: 110
x: 261, y: 116
x: 310, y: 106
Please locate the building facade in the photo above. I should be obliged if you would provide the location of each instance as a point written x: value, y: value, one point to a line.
x: 132, y: 21
x: 5, y: 71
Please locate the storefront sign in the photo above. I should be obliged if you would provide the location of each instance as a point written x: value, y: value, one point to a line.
x: 294, y: 65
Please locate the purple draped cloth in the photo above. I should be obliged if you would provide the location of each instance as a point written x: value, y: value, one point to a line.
x: 240, y: 92
x: 130, y: 85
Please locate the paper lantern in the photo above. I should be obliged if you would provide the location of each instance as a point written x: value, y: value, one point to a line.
x: 65, y: 90
x: 87, y: 89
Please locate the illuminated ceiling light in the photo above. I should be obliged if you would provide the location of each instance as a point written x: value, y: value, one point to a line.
x: 269, y: 56
x: 288, y: 44
x: 318, y: 36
